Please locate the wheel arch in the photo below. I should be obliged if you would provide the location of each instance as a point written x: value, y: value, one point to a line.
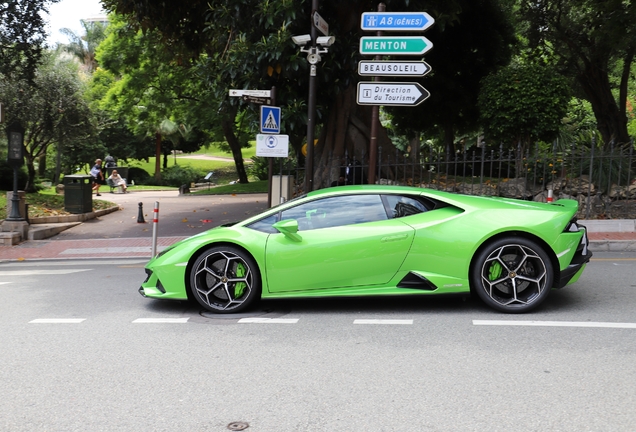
x: 528, y: 236
x: 201, y: 250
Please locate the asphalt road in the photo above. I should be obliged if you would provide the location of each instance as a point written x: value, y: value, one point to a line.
x: 120, y: 362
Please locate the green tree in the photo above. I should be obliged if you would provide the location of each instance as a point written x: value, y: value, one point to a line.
x: 22, y: 36
x: 51, y: 108
x: 523, y: 103
x: 589, y: 38
x: 148, y: 89
x: 478, y: 42
x: 247, y: 44
x: 83, y: 47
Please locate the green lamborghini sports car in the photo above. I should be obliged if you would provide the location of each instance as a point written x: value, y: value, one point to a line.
x: 379, y: 240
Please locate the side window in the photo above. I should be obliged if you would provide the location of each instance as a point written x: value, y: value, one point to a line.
x: 265, y: 225
x: 400, y: 206
x: 337, y: 211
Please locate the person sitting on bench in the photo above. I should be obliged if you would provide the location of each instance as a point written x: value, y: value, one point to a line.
x: 117, y: 180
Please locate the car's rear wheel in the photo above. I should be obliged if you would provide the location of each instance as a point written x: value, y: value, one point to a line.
x: 512, y: 275
x: 225, y: 279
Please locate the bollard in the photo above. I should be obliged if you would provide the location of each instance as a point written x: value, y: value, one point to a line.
x: 140, y: 215
x: 550, y: 196
x: 155, y: 222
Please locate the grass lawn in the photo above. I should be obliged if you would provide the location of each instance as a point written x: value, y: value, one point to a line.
x: 259, y: 186
x: 47, y: 204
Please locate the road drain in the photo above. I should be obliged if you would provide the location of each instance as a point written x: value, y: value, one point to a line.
x: 238, y: 426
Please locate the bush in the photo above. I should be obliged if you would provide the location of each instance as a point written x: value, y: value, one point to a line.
x: 6, y: 177
x: 259, y: 168
x: 138, y: 175
x: 178, y: 175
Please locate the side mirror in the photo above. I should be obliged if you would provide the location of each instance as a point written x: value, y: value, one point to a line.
x: 289, y: 228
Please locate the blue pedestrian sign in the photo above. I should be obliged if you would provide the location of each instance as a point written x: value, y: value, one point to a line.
x: 270, y: 119
x: 396, y: 21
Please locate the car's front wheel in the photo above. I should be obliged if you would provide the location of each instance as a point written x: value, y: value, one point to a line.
x: 225, y: 279
x: 512, y: 275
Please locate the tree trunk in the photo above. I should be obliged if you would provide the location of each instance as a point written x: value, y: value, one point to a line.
x: 347, y: 130
x: 30, y: 185
x: 611, y: 123
x: 228, y: 130
x: 157, y: 156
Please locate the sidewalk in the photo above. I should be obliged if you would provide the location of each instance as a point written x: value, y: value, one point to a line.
x: 120, y: 234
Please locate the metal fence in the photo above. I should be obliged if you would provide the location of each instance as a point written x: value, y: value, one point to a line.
x: 601, y: 178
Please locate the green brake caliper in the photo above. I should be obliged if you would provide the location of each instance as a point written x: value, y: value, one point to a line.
x: 495, y: 270
x: 239, y: 287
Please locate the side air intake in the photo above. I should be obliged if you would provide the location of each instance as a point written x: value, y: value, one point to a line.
x: 415, y: 281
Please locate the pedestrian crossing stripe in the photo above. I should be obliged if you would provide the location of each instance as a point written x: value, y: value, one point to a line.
x: 270, y: 119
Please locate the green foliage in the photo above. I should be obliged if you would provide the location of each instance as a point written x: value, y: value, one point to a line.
x: 591, y: 41
x: 259, y: 168
x: 178, y: 175
x: 22, y: 36
x: 138, y: 175
x: 51, y: 110
x: 523, y: 103
x: 6, y: 176
x: 83, y: 46
x: 479, y: 40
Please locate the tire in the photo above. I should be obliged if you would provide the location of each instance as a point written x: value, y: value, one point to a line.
x: 225, y: 279
x: 512, y: 275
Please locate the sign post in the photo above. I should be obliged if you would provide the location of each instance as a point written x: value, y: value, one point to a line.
x: 378, y: 93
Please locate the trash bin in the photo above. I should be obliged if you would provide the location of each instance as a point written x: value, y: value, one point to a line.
x: 78, y: 196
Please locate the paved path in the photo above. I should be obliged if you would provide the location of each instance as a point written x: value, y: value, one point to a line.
x: 120, y: 235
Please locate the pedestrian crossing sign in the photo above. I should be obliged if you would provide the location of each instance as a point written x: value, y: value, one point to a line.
x: 270, y: 119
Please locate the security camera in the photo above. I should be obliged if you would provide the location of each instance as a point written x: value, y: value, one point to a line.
x: 326, y: 40
x: 313, y: 58
x: 302, y: 40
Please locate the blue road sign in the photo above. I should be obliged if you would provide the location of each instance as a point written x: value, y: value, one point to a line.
x: 270, y: 119
x: 396, y: 21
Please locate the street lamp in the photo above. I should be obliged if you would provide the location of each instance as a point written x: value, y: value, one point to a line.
x: 15, y: 159
x: 313, y: 46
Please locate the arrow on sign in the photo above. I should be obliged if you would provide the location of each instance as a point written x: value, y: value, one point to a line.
x: 257, y: 100
x: 257, y: 93
x: 396, y: 45
x: 391, y: 93
x: 393, y: 68
x: 400, y: 21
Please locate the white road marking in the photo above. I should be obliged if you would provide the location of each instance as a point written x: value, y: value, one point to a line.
x: 40, y: 272
x: 268, y: 320
x: 555, y: 324
x: 57, y: 321
x: 161, y: 320
x: 384, y: 321
x: 2, y: 283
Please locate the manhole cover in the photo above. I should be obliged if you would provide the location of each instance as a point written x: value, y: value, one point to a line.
x: 238, y: 426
